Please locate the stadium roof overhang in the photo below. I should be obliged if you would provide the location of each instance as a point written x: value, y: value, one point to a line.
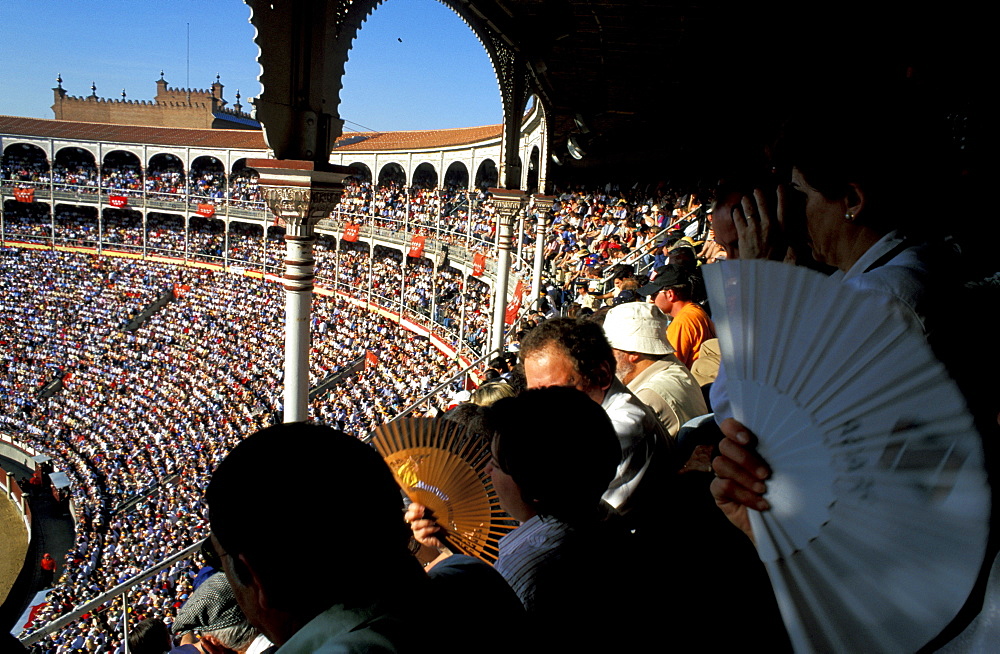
x: 662, y: 85
x: 644, y: 88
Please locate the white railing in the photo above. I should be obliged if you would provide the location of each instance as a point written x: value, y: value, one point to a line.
x: 122, y: 588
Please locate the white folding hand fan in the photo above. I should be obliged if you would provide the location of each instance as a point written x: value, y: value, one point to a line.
x: 879, y: 500
x: 441, y: 465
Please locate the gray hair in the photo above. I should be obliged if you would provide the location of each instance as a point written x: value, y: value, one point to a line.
x: 238, y: 637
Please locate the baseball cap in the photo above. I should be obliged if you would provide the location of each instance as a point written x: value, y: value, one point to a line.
x: 662, y: 277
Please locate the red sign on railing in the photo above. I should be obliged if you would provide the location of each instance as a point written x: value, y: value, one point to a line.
x: 351, y: 231
x: 207, y: 210
x: 514, y: 306
x: 24, y: 194
x: 478, y: 264
x: 118, y: 201
x: 417, y: 246
x: 370, y: 359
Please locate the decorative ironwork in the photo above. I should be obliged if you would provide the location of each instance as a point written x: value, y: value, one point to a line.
x: 298, y: 206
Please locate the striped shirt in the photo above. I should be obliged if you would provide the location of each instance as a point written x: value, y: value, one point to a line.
x: 527, y: 551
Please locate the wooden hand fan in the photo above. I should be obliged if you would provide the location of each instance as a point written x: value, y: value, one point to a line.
x: 440, y: 464
x: 880, y: 503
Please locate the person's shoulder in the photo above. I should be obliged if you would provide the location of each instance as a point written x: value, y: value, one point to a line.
x: 671, y: 368
x: 697, y: 311
x: 905, y: 285
x: 342, y: 630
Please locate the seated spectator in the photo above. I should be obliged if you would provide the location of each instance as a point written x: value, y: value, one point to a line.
x: 346, y: 603
x: 706, y: 367
x: 212, y: 614
x: 620, y: 280
x: 500, y: 365
x: 584, y: 298
x: 549, y: 471
x: 574, y: 353
x: 670, y: 289
x: 682, y: 255
x: 151, y: 636
x: 491, y: 393
x: 637, y: 333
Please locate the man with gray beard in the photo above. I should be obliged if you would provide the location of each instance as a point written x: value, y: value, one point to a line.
x: 647, y: 365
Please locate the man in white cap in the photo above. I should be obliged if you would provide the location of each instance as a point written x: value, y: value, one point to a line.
x: 648, y: 366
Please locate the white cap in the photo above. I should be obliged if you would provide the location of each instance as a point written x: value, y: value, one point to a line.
x: 637, y: 327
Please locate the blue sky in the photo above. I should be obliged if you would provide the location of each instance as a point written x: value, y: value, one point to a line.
x: 438, y: 77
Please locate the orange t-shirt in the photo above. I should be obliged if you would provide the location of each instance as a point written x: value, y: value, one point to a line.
x: 688, y: 330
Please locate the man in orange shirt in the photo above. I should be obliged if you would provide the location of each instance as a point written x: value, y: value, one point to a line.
x: 669, y: 289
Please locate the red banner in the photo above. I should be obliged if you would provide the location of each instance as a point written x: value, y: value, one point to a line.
x: 514, y: 306
x: 478, y: 264
x: 417, y: 246
x: 370, y: 359
x: 351, y: 232
x: 24, y: 194
x: 118, y: 201
x: 180, y: 290
x: 207, y: 210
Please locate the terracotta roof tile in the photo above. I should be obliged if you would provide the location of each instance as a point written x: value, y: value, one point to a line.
x: 66, y: 129
x: 237, y: 138
x: 416, y: 140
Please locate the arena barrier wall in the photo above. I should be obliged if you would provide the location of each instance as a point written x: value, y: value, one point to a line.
x: 22, y: 453
x: 10, y: 488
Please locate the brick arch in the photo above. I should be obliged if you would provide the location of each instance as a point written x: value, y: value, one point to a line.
x: 393, y: 169
x: 121, y: 157
x: 364, y: 173
x: 29, y: 154
x: 164, y: 159
x: 487, y: 174
x: 457, y: 173
x: 207, y: 161
x: 240, y: 165
x: 425, y: 175
x: 74, y: 150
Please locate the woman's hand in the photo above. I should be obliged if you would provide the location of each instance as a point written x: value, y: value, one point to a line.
x: 423, y: 524
x: 740, y: 475
x: 760, y: 226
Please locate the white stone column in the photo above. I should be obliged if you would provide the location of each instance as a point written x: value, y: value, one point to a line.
x: 507, y: 202
x: 298, y: 285
x: 299, y: 194
x: 543, y: 203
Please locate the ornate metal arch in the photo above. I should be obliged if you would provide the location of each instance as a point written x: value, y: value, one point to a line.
x: 303, y: 48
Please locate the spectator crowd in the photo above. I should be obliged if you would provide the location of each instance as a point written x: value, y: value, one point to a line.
x: 144, y: 415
